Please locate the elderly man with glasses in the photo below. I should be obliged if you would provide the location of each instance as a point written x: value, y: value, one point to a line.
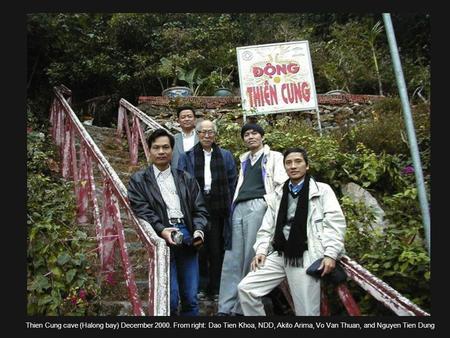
x: 215, y: 171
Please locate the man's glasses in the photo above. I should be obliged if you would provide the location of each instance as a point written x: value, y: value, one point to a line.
x: 207, y: 132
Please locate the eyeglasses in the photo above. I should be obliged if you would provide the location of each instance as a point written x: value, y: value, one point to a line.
x: 207, y: 132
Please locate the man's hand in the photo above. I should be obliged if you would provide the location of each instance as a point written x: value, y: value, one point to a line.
x: 257, y: 262
x: 328, y: 264
x: 198, y: 240
x: 166, y: 234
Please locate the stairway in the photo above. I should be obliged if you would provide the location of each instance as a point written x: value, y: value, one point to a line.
x: 114, y: 294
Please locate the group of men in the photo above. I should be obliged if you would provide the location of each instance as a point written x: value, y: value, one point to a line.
x: 268, y: 223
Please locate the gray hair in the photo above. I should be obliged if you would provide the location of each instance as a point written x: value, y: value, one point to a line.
x: 199, y: 122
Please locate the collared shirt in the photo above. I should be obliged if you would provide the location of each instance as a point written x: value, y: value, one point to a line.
x: 207, y: 173
x: 188, y: 140
x: 297, y: 187
x: 255, y: 157
x: 169, y: 193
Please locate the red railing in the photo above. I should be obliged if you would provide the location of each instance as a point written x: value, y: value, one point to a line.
x: 135, y: 133
x: 381, y: 291
x: 109, y: 228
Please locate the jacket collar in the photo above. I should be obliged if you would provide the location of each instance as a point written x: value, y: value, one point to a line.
x: 313, y: 188
x: 245, y: 155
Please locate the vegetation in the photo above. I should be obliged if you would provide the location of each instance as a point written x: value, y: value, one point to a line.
x: 132, y: 54
x: 60, y: 276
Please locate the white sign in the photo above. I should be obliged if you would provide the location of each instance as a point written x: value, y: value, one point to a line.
x: 276, y: 78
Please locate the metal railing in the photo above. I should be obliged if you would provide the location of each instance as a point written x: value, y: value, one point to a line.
x: 135, y: 133
x: 66, y: 128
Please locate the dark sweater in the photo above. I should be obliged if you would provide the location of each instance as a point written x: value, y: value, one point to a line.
x: 253, y: 184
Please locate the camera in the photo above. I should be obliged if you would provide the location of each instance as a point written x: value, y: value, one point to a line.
x: 177, y: 237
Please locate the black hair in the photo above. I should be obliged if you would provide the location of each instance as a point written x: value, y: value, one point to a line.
x: 296, y: 150
x: 180, y: 109
x: 252, y: 126
x: 158, y: 133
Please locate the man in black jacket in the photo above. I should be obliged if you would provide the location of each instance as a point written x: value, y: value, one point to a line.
x: 170, y: 200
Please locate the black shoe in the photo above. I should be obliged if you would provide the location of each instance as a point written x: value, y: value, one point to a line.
x: 222, y: 314
x: 237, y: 314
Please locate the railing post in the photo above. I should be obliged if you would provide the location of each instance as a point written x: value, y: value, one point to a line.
x: 83, y: 188
x: 143, y: 140
x: 59, y: 125
x: 324, y: 304
x: 134, y: 141
x: 108, y: 232
x: 120, y: 121
x: 95, y: 207
x: 284, y: 287
x: 347, y: 300
x: 158, y: 271
x: 66, y: 169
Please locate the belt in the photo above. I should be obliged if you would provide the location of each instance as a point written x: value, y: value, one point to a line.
x: 176, y: 220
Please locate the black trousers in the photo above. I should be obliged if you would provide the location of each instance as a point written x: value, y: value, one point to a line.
x: 211, y: 255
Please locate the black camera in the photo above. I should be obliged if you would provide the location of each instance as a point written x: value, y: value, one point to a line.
x: 177, y: 237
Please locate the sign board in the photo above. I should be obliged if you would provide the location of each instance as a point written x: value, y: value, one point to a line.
x: 276, y: 78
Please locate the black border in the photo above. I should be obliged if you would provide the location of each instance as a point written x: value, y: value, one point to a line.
x: 14, y: 57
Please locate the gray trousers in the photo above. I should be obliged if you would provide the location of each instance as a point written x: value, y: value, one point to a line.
x: 246, y: 221
x: 305, y: 290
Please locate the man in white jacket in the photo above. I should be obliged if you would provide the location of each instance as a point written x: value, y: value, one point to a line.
x: 303, y: 222
x: 261, y: 172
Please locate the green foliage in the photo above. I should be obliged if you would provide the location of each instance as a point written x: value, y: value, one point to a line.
x: 219, y: 78
x: 60, y: 280
x: 120, y: 53
x: 192, y: 78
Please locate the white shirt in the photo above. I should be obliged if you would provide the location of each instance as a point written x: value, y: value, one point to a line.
x: 169, y: 193
x: 255, y: 157
x: 207, y: 173
x: 188, y: 140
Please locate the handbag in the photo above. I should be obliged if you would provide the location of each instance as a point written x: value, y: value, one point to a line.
x: 338, y: 275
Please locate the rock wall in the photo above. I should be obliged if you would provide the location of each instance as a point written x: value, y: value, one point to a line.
x: 335, y: 110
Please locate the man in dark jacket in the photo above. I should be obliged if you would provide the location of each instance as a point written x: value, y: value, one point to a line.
x: 170, y: 200
x: 215, y: 171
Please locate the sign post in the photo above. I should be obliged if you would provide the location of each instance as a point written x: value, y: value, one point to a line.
x: 276, y: 78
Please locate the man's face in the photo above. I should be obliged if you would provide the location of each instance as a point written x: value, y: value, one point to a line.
x: 186, y: 119
x: 295, y: 166
x: 161, y: 152
x: 253, y: 140
x: 206, y: 134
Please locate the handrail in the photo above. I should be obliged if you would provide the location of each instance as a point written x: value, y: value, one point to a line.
x: 380, y: 290
x: 114, y: 192
x: 135, y: 133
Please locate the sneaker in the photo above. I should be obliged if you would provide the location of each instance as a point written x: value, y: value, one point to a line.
x: 222, y: 314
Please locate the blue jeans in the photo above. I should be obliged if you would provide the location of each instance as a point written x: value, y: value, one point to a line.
x: 184, y: 277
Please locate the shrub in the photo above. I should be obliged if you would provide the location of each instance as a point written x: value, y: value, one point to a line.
x: 60, y: 280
